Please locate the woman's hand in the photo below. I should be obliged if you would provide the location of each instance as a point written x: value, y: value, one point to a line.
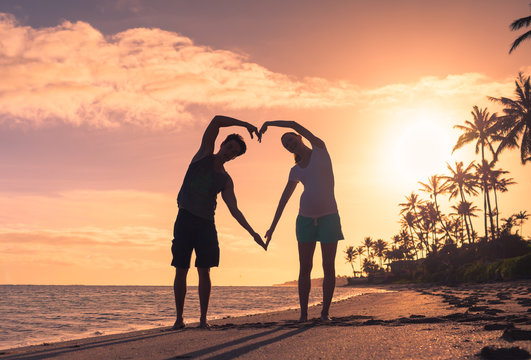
x: 263, y: 129
x: 259, y: 241
x: 268, y: 236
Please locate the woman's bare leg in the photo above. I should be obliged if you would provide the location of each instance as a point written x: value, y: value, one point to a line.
x: 306, y: 251
x: 328, y: 251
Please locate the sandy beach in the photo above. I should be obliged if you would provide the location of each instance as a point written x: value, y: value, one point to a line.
x: 490, y: 321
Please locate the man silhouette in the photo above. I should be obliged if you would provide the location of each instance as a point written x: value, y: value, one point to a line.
x: 194, y: 227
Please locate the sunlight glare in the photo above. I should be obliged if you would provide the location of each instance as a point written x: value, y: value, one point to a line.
x: 421, y: 146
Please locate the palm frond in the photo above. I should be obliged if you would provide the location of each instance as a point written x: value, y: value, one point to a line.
x: 521, y: 38
x: 520, y: 23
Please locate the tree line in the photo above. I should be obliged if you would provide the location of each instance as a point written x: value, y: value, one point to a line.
x: 424, y: 227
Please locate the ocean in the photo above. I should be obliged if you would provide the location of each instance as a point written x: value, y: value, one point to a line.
x: 36, y: 314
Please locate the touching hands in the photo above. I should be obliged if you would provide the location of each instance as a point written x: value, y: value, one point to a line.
x: 263, y: 129
x: 268, y: 236
x: 253, y: 129
x: 259, y: 241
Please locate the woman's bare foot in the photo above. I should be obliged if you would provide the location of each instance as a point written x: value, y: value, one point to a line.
x: 203, y: 325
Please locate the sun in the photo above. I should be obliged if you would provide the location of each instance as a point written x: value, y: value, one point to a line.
x: 421, y: 145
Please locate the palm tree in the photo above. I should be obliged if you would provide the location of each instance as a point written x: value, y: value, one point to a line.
x: 406, y: 245
x: 379, y: 247
x: 360, y: 250
x: 350, y: 256
x: 484, y: 174
x: 517, y: 25
x: 413, y: 202
x: 434, y: 187
x: 427, y: 223
x: 517, y: 120
x: 508, y: 224
x: 462, y: 181
x: 395, y: 253
x: 396, y: 241
x: 456, y: 227
x: 369, y: 266
x: 465, y: 209
x: 481, y: 129
x: 521, y: 217
x: 368, y: 242
x: 409, y: 220
x: 499, y: 184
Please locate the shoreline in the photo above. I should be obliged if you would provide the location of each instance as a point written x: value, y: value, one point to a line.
x: 226, y: 304
x: 420, y: 321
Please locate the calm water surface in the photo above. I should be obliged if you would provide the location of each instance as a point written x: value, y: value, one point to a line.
x: 34, y: 314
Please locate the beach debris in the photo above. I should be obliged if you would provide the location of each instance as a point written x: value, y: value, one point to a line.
x: 515, y: 334
x: 491, y: 327
x: 499, y: 353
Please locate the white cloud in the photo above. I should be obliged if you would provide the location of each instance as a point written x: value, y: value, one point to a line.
x: 73, y: 74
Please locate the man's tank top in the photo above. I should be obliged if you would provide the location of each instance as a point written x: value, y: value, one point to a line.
x: 200, y: 188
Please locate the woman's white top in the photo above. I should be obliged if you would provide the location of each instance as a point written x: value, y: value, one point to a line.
x: 318, y: 198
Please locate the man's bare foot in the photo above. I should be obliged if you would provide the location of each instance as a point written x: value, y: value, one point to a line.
x: 179, y: 324
x: 303, y: 319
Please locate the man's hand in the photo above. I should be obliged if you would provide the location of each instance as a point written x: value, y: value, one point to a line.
x: 253, y: 129
x: 259, y: 241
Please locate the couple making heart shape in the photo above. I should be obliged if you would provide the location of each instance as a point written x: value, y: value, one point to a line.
x: 194, y: 228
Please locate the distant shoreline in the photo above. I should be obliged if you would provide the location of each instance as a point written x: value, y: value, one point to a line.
x: 340, y: 281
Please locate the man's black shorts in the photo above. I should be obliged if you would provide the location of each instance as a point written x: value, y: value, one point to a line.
x: 194, y: 233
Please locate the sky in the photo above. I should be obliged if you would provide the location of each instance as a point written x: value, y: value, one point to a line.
x: 103, y: 105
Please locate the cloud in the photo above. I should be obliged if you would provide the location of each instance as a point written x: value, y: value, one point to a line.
x: 73, y: 74
x: 127, y: 236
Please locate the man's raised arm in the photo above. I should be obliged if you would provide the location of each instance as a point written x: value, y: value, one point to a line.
x: 212, y: 131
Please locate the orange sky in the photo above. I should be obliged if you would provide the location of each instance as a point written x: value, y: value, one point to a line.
x: 102, y: 108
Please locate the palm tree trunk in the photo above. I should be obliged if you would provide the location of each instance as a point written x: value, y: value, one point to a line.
x: 463, y: 199
x: 440, y: 219
x: 485, y: 215
x: 497, y: 212
x: 492, y: 229
x: 413, y: 241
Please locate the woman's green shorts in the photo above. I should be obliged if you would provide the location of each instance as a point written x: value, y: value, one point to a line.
x: 325, y: 229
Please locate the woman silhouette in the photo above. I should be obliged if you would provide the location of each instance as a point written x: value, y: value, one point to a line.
x: 318, y: 218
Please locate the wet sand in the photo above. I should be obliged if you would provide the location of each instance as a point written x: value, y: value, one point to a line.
x: 472, y: 321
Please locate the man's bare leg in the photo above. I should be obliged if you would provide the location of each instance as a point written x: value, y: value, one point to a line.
x: 328, y: 251
x: 204, y: 294
x: 179, y: 290
x: 306, y: 251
